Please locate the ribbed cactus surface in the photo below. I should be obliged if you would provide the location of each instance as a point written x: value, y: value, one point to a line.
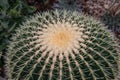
x: 62, y: 45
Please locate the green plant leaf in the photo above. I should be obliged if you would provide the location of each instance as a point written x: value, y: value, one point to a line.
x: 4, y: 3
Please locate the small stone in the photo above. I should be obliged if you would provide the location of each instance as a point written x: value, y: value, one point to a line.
x: 2, y: 78
x: 106, y: 6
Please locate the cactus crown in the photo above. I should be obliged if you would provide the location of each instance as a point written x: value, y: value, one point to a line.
x: 62, y: 45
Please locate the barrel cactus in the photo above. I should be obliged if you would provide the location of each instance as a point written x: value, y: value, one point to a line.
x: 62, y: 45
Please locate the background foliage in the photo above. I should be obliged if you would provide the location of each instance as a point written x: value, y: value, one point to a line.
x: 12, y: 13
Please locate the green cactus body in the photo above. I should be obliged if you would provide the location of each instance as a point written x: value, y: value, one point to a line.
x: 62, y: 45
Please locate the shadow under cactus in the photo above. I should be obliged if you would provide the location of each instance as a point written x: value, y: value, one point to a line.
x: 112, y: 19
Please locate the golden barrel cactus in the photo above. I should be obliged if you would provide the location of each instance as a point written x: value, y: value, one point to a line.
x: 62, y: 45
